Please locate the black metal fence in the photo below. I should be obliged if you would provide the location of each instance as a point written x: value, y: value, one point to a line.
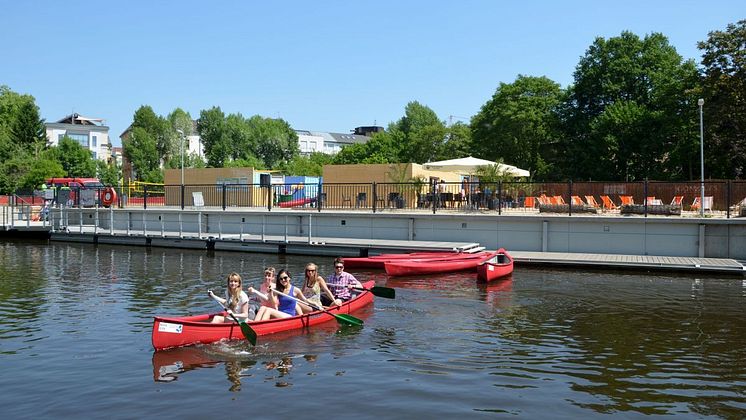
x: 722, y: 198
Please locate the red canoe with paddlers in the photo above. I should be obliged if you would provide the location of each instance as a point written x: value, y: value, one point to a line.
x: 171, y: 332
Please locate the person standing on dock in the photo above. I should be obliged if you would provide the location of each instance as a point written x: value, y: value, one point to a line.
x: 340, y: 284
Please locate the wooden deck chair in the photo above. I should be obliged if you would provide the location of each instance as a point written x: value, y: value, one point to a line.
x: 677, y: 200
x: 591, y: 201
x: 650, y: 201
x: 557, y: 199
x: 577, y: 201
x: 529, y: 202
x: 627, y: 200
x: 608, y: 204
x: 544, y: 200
x: 708, y: 203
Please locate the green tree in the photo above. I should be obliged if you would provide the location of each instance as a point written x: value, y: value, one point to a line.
x: 179, y: 120
x: 624, y: 115
x: 40, y: 170
x: 213, y: 132
x: 381, y: 148
x: 276, y: 142
x: 28, y: 129
x: 724, y: 91
x: 141, y: 151
x: 419, y: 132
x: 159, y: 129
x: 519, y: 125
x: 458, y: 143
x: 15, y: 107
x: 108, y: 173
x: 76, y: 160
x: 312, y: 165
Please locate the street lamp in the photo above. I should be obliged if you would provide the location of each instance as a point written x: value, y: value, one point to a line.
x: 181, y: 138
x: 701, y: 102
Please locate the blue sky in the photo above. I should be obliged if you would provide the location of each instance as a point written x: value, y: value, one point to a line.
x: 320, y: 65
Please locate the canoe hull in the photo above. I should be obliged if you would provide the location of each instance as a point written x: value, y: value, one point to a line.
x: 378, y: 261
x: 498, y: 266
x: 413, y: 268
x: 171, y: 332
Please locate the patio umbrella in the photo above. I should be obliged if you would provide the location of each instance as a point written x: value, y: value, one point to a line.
x: 468, y: 165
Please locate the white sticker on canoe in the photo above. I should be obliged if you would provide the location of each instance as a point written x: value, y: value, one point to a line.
x: 170, y: 328
x: 491, y: 268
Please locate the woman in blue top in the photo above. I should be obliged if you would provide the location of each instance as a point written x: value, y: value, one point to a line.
x: 286, y: 307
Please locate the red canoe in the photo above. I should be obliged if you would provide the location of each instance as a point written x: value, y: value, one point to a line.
x: 297, y: 202
x: 182, y: 331
x: 498, y: 266
x: 377, y: 261
x: 413, y: 268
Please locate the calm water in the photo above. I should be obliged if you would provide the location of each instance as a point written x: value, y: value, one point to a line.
x: 75, y: 325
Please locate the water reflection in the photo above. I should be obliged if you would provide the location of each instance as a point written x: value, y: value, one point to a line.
x: 170, y: 365
x: 543, y: 343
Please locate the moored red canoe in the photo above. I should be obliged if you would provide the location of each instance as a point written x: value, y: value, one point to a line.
x: 182, y: 331
x: 413, y: 268
x: 498, y: 266
x: 377, y: 261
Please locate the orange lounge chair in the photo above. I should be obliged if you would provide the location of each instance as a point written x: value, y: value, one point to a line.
x: 577, y: 201
x: 557, y: 199
x: 708, y: 203
x: 529, y: 202
x: 677, y: 200
x: 608, y: 204
x: 544, y: 200
x: 591, y: 201
x: 627, y: 200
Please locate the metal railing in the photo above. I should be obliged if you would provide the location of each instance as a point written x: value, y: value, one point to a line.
x: 722, y: 198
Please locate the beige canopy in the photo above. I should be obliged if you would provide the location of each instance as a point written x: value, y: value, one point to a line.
x: 468, y: 165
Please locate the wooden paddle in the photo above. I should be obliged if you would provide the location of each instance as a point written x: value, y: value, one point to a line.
x: 246, y: 330
x: 384, y: 292
x: 341, y: 318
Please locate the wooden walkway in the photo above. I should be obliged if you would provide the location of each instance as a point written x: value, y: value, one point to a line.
x: 724, y: 265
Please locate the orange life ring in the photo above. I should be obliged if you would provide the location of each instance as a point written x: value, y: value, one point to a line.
x: 109, y: 196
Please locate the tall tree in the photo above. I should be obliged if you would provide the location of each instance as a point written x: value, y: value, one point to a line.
x: 420, y: 133
x: 180, y: 120
x: 159, y: 130
x: 28, y: 129
x: 142, y: 153
x: 724, y: 92
x: 212, y: 129
x: 276, y: 142
x: 76, y: 160
x: 624, y: 116
x: 519, y: 125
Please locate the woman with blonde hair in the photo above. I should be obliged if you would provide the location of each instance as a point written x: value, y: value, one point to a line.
x: 286, y: 303
x: 236, y: 301
x: 313, y: 285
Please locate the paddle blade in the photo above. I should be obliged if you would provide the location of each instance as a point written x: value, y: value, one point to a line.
x: 348, y: 320
x: 248, y: 332
x: 384, y: 292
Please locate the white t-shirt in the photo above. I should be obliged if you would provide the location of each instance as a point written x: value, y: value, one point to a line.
x: 242, y: 299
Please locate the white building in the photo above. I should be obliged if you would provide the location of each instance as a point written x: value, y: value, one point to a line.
x: 91, y: 133
x: 331, y: 143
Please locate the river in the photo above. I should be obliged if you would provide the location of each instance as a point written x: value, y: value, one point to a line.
x: 75, y: 323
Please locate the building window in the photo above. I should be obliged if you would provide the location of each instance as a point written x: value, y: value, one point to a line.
x: 60, y: 137
x: 80, y: 138
x: 95, y: 155
x: 94, y: 141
